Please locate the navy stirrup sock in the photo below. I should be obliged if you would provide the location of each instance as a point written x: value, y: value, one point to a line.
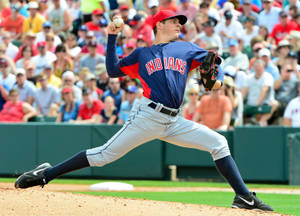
x: 78, y: 161
x: 229, y: 170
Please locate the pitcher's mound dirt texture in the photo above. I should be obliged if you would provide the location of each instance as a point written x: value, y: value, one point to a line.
x: 38, y: 201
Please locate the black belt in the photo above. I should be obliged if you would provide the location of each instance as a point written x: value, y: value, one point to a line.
x: 164, y: 110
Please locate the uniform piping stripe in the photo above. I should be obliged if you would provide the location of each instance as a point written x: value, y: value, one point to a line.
x: 119, y: 133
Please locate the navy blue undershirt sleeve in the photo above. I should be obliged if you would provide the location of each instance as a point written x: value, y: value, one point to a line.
x: 112, y: 61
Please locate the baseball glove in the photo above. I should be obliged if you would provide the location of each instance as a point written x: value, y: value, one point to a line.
x: 208, y: 70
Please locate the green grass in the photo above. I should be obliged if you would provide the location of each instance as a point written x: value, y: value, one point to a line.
x: 282, y: 203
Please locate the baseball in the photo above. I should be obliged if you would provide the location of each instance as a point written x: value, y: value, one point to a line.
x: 118, y: 22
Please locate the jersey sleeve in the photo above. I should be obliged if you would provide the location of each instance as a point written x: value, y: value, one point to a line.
x: 129, y: 65
x: 197, y: 54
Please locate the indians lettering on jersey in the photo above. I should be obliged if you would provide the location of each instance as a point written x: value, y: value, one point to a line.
x: 172, y: 63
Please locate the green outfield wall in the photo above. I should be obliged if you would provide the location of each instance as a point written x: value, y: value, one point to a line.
x: 260, y: 153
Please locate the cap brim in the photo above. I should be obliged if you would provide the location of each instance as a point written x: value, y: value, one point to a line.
x: 182, y: 19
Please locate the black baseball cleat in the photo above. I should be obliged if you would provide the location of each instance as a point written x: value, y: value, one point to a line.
x: 33, y: 177
x: 250, y: 201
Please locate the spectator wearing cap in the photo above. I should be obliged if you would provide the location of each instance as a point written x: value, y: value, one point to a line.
x: 292, y: 112
x: 259, y: 91
x: 15, y: 110
x: 7, y: 79
x: 68, y: 79
x: 35, y: 21
x: 52, y: 80
x: 60, y: 18
x: 90, y: 109
x: 153, y: 8
x: 265, y: 55
x: 14, y: 22
x: 292, y: 59
x: 114, y: 91
x: 291, y: 4
x: 11, y: 49
x: 127, y: 105
x: 129, y: 47
x: 102, y: 76
x: 28, y: 40
x: 239, y: 77
x: 93, y: 25
x: 228, y: 29
x: 91, y: 84
x: 138, y: 24
x: 281, y: 29
x: 208, y: 35
x: 269, y: 16
x: 46, y: 96
x: 45, y: 57
x: 82, y: 32
x: 109, y: 114
x: 250, y: 31
x: 88, y: 6
x: 282, y: 50
x: 187, y: 8
x: 70, y: 107
x: 41, y: 36
x: 63, y: 62
x: 247, y: 11
x: 237, y: 59
x: 168, y: 5
x: 141, y: 41
x: 91, y: 39
x: 91, y: 59
x: 26, y: 88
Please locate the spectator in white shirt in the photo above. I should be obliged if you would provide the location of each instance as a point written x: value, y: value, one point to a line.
x: 292, y: 112
x: 11, y: 50
x: 269, y: 16
x: 41, y: 36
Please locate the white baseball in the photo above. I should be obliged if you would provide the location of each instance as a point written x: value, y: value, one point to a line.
x: 118, y: 22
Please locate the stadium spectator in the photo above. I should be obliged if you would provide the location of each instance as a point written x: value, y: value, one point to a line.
x: 43, y: 8
x: 259, y: 91
x: 35, y: 20
x: 69, y: 109
x: 68, y: 79
x: 214, y: 111
x: 60, y: 18
x: 51, y: 78
x: 292, y: 112
x: 29, y: 39
x: 129, y: 47
x: 43, y: 58
x: 11, y: 49
x: 139, y: 28
x: 281, y: 29
x: 3, y: 94
x: 82, y: 31
x: 265, y: 55
x: 282, y: 50
x: 269, y: 16
x: 109, y: 114
x: 263, y: 32
x: 291, y: 4
x: 91, y: 59
x: 189, y: 108
x: 26, y: 88
x: 6, y: 77
x: 82, y: 76
x: 93, y: 25
x: 114, y: 91
x: 153, y: 7
x: 15, y: 110
x: 26, y: 56
x: 30, y: 72
x: 248, y: 12
x: 102, y: 76
x: 127, y: 105
x: 46, y: 95
x: 141, y: 41
x: 250, y: 31
x: 41, y: 36
x: 88, y: 6
x: 229, y: 29
x: 63, y: 62
x: 236, y: 59
x: 255, y: 50
x: 72, y: 48
x: 91, y: 84
x: 239, y: 77
x: 187, y: 8
x: 90, y: 109
x: 168, y: 5
x: 90, y: 37
x: 14, y: 22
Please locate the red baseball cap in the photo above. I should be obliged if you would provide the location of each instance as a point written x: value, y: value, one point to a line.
x: 97, y: 12
x: 168, y: 14
x: 124, y: 7
x: 67, y: 90
x: 130, y: 44
x: 41, y: 44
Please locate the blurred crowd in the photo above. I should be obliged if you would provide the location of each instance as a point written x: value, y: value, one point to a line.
x: 52, y: 60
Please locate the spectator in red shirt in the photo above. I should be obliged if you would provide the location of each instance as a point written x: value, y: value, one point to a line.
x: 28, y: 41
x: 14, y: 22
x: 89, y: 111
x: 153, y: 7
x: 90, y: 37
x: 168, y: 5
x: 138, y: 24
x: 281, y: 29
x: 93, y: 25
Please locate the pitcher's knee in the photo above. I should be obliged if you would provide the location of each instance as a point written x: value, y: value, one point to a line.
x: 99, y: 156
x: 220, y: 148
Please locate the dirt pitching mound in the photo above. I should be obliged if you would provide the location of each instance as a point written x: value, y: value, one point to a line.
x: 40, y: 202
